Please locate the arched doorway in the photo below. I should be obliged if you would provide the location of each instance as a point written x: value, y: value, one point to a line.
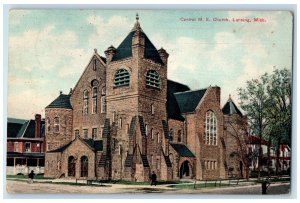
x: 185, y: 170
x: 84, y: 162
x: 71, y: 166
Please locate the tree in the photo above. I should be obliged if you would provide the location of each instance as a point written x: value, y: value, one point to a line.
x: 268, y: 104
x: 254, y: 100
x: 237, y: 128
x: 280, y: 109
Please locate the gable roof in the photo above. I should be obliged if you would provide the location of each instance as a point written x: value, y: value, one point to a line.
x: 182, y: 150
x: 188, y: 101
x: 62, y: 148
x: 19, y: 128
x: 62, y: 101
x: 96, y: 145
x: 172, y: 105
x: 124, y: 50
x: 230, y: 108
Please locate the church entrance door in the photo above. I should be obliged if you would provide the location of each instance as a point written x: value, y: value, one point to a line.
x: 185, y: 170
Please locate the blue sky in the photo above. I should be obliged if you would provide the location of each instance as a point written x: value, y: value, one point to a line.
x: 49, y: 49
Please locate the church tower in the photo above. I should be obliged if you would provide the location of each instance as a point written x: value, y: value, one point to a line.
x: 136, y: 105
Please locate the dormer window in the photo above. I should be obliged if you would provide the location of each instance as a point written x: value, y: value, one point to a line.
x: 153, y: 79
x: 122, y: 78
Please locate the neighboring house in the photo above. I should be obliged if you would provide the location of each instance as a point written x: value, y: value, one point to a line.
x: 25, y: 146
x: 125, y: 119
x: 284, y: 154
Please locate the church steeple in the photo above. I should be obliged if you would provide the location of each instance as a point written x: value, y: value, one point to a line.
x: 137, y: 25
x: 138, y: 45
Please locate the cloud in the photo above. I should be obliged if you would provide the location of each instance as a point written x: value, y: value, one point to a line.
x: 228, y: 59
x: 227, y: 56
x: 110, y: 32
x: 44, y: 49
x: 16, y: 16
x: 28, y: 103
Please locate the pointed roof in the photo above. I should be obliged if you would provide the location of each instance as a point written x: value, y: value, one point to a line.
x: 182, y: 150
x: 62, y: 101
x: 188, y: 101
x: 230, y: 108
x: 96, y: 145
x: 172, y: 106
x: 124, y: 50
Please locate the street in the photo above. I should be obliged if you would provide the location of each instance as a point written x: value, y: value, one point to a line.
x: 48, y: 188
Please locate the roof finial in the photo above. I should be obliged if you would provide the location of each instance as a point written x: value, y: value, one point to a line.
x: 137, y: 17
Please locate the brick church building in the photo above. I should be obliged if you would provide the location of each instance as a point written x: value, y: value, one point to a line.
x: 125, y: 119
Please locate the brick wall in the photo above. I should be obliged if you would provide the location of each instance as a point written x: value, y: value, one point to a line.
x: 89, y: 121
x: 55, y: 140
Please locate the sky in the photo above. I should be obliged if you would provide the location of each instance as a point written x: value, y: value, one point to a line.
x: 49, y: 49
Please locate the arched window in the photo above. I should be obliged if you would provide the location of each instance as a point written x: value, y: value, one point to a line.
x: 146, y: 129
x: 48, y: 125
x: 210, y: 128
x: 84, y: 163
x: 180, y: 138
x: 103, y: 100
x: 153, y: 79
x: 95, y: 84
x: 94, y: 64
x: 158, y: 138
x: 171, y: 134
x: 151, y: 160
x: 71, y: 166
x: 103, y: 104
x: 56, y: 124
x: 152, y: 133
x: 120, y: 122
x: 103, y: 91
x: 95, y: 99
x: 122, y: 78
x: 85, y: 102
x: 152, y: 109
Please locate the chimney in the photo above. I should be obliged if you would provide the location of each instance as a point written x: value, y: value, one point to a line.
x: 37, y: 131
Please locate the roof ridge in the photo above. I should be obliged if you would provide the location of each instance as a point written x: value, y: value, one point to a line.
x: 188, y: 91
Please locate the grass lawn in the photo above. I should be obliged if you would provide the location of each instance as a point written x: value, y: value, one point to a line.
x: 201, y: 185
x: 38, y: 176
x: 138, y: 183
x: 62, y: 183
x: 275, y: 180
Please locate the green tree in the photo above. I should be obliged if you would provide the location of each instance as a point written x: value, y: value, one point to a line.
x: 280, y: 109
x: 268, y: 105
x: 254, y: 99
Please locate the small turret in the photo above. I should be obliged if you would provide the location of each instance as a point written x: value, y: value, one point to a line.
x: 109, y: 53
x: 164, y: 56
